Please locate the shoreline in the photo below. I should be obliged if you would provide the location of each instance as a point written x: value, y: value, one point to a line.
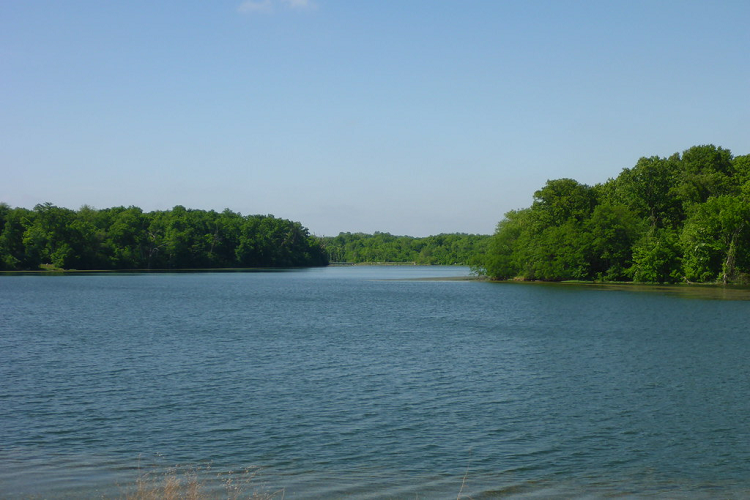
x: 711, y: 291
x: 714, y: 291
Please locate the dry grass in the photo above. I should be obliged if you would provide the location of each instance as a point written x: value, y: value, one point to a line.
x: 180, y: 483
x: 200, y: 483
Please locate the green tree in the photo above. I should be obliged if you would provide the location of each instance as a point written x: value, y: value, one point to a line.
x: 612, y: 230
x: 128, y: 238
x: 716, y: 239
x: 506, y: 254
x: 126, y: 242
x: 741, y: 174
x: 705, y: 171
x: 51, y: 237
x: 12, y: 250
x: 562, y: 199
x: 656, y: 257
x: 648, y: 189
x: 559, y: 253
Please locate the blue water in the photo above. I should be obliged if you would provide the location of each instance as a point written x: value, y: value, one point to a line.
x: 370, y: 382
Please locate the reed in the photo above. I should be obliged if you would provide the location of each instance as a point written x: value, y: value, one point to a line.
x: 190, y: 483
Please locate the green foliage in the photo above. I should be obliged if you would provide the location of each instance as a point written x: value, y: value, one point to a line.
x: 12, y: 251
x: 128, y: 238
x: 685, y: 217
x: 716, y: 239
x: 442, y: 249
x: 505, y: 256
x: 648, y: 190
x: 706, y: 171
x: 656, y: 257
x: 559, y: 253
x: 561, y: 200
x: 611, y: 231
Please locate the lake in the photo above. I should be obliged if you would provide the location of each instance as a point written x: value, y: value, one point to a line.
x: 373, y: 382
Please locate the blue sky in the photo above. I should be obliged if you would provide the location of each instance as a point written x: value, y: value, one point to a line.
x: 411, y: 117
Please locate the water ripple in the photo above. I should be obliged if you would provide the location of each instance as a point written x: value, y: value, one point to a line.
x: 340, y: 386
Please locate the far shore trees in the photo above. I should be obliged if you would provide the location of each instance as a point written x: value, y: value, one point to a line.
x: 441, y: 249
x: 128, y: 238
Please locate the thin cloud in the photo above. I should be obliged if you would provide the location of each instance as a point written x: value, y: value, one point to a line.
x: 266, y: 6
x: 299, y: 4
x: 253, y: 6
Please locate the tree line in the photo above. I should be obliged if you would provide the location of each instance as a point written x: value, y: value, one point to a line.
x: 681, y: 218
x: 684, y: 218
x: 128, y: 238
x: 441, y: 249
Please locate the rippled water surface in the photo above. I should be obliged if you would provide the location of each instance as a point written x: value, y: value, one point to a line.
x: 369, y: 382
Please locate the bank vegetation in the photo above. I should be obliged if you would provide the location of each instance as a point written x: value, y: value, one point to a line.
x: 684, y: 218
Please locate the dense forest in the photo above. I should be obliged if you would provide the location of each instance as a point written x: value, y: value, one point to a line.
x: 685, y: 218
x: 442, y: 249
x: 128, y: 238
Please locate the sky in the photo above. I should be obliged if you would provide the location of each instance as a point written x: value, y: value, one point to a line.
x: 413, y: 117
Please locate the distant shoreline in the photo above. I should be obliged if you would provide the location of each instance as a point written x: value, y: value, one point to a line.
x: 156, y: 271
x: 220, y: 269
x: 709, y: 291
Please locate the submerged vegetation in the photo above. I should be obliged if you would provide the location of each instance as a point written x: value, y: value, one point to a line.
x: 685, y: 218
x: 52, y: 237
